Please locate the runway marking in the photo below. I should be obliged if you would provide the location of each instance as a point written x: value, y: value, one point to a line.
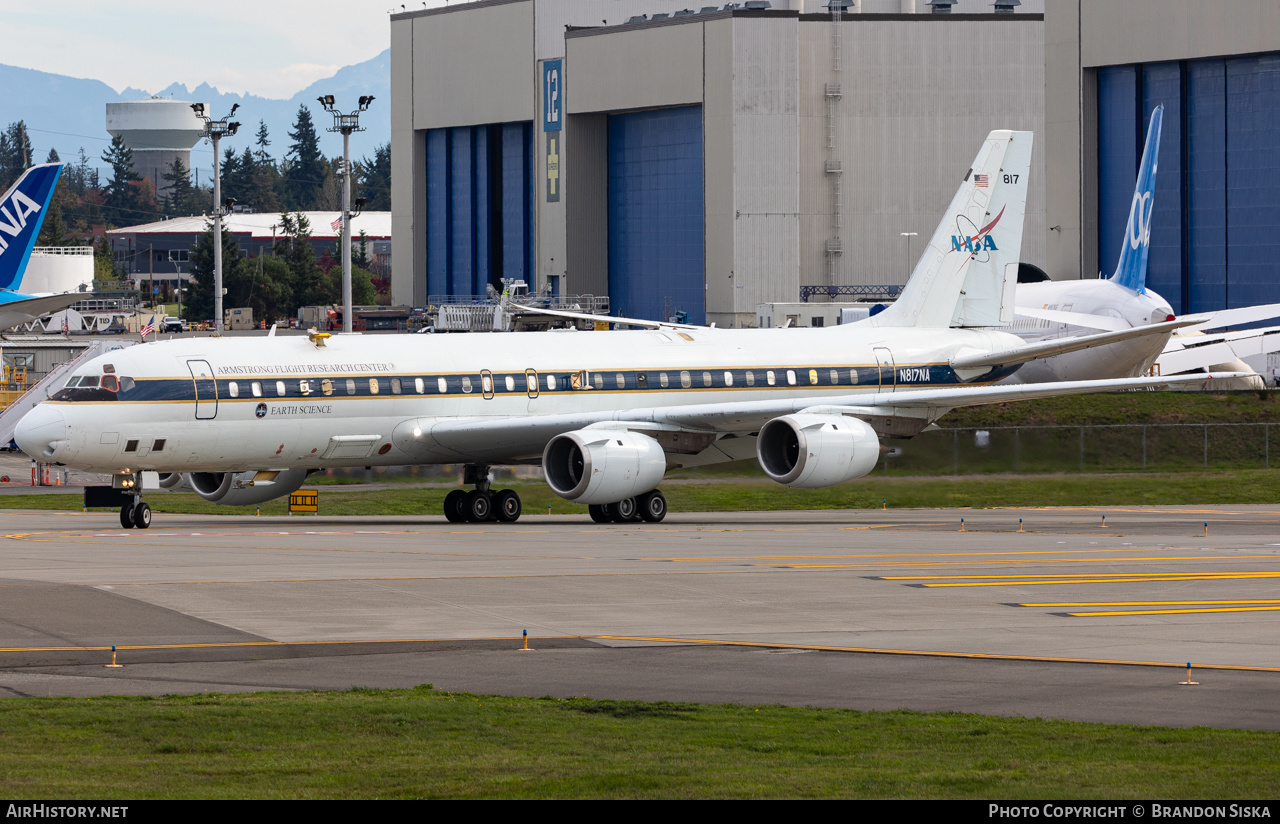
x: 1172, y: 611
x: 977, y: 554
x: 936, y: 653
x: 1145, y: 603
x: 1253, y: 574
x: 121, y: 647
x: 1137, y: 578
x: 1027, y: 561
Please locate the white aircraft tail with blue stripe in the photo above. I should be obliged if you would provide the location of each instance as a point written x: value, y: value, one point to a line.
x: 1131, y: 271
x: 22, y: 211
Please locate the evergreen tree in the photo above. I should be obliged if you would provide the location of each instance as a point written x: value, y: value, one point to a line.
x: 122, y: 201
x: 311, y: 285
x: 14, y: 154
x: 264, y: 187
x: 269, y: 291
x: 53, y: 157
x: 304, y: 172
x: 198, y: 304
x: 232, y: 176
x: 375, y: 179
x: 181, y: 198
x: 53, y: 232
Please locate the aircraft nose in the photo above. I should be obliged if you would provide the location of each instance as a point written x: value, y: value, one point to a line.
x: 42, y: 432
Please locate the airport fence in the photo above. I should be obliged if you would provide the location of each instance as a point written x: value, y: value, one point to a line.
x: 1029, y: 450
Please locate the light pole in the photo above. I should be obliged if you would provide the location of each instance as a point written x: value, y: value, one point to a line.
x: 346, y: 124
x: 908, y: 236
x: 214, y: 130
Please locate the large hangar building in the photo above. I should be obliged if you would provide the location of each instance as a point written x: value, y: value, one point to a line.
x: 1215, y: 67
x: 705, y: 160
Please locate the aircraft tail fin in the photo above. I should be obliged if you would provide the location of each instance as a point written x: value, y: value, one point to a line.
x: 1131, y: 271
x: 963, y: 277
x: 22, y: 211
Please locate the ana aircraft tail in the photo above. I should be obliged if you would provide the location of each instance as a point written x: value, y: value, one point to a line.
x: 21, y: 214
x: 962, y: 278
x: 1131, y: 271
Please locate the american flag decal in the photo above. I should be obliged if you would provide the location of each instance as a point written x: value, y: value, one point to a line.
x: 980, y: 181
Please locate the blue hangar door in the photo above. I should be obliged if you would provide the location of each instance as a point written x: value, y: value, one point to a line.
x: 657, y: 250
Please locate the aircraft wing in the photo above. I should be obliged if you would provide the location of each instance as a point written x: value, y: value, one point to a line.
x: 1185, y: 353
x: 1048, y: 348
x: 1234, y: 317
x: 16, y: 308
x: 524, y: 436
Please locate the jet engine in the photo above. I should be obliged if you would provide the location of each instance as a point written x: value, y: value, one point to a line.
x: 244, y: 488
x: 175, y: 482
x: 812, y: 451
x: 601, y: 466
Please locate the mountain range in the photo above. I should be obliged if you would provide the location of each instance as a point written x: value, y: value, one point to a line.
x: 68, y: 113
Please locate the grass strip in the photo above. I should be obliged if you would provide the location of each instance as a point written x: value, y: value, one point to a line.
x: 1232, y: 487
x: 421, y: 743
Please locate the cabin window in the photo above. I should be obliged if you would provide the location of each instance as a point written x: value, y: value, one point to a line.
x: 466, y: 383
x: 835, y: 377
x: 813, y: 377
x: 373, y: 386
x: 351, y: 386
x: 486, y: 384
x: 396, y: 386
x: 662, y: 380
x: 131, y: 445
x: 158, y: 446
x: 326, y: 386
x: 853, y: 376
x: 233, y: 389
x: 685, y: 380
x: 791, y: 377
x: 419, y: 385
x: 599, y: 381
x: 642, y: 380
x: 442, y: 385
x: 770, y: 378
x: 621, y: 380
x: 551, y: 383
x: 511, y: 383
x: 728, y: 379
x: 256, y: 386
x: 280, y: 390
x: 706, y: 378
x: 751, y: 378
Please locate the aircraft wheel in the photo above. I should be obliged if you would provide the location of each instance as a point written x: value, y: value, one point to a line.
x: 653, y: 506
x: 454, y: 506
x: 142, y: 516
x: 126, y: 516
x: 601, y: 513
x: 478, y: 506
x: 507, y: 506
x: 626, y: 511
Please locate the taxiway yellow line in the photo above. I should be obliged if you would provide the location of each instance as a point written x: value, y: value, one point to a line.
x: 1146, y: 603
x: 1174, y: 611
x: 1116, y: 580
x: 1254, y: 574
x: 934, y: 653
x: 1028, y: 561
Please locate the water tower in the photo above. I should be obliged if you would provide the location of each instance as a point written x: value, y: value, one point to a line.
x: 157, y: 131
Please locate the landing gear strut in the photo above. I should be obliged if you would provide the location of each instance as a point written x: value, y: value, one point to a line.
x: 136, y: 514
x: 481, y: 503
x: 650, y: 507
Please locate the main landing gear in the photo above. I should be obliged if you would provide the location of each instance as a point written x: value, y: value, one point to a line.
x: 481, y: 503
x: 650, y: 507
x: 136, y: 514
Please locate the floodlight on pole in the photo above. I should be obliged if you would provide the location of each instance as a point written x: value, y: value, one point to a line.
x: 346, y: 124
x: 214, y: 130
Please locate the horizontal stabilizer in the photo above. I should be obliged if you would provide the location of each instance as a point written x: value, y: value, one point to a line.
x: 1080, y: 319
x: 16, y: 308
x: 1049, y: 348
x: 1234, y: 317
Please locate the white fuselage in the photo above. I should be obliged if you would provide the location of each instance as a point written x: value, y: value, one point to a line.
x: 1117, y: 305
x: 223, y: 404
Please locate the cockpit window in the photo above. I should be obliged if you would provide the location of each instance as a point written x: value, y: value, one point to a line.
x: 110, y: 383
x: 89, y: 380
x: 89, y: 388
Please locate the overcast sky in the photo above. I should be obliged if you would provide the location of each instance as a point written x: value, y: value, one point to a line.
x: 271, y: 48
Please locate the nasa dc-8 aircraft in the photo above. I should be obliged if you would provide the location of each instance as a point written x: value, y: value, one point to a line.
x: 244, y: 420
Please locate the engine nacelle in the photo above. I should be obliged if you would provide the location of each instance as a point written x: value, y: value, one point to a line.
x: 244, y: 488
x: 602, y: 466
x: 812, y: 451
x: 175, y: 482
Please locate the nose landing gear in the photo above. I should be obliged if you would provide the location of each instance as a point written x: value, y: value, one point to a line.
x: 482, y: 503
x: 136, y: 514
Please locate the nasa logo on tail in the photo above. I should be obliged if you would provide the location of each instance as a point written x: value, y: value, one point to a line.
x: 973, y: 240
